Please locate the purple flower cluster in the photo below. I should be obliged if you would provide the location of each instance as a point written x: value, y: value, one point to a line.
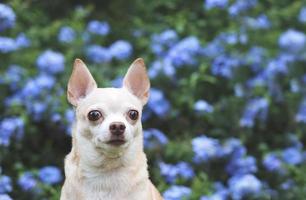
x: 255, y: 108
x: 173, y: 53
x: 202, y: 106
x: 172, y: 172
x: 240, y: 167
x: 255, y: 84
x: 205, y: 148
x: 66, y: 34
x: 29, y: 181
x: 8, y: 44
x: 176, y: 192
x: 98, y: 27
x: 119, y: 50
x: 209, y: 4
x: 51, y: 62
x: 9, y: 128
x: 158, y: 104
x: 7, y: 17
x: 50, y: 175
x: 154, y: 138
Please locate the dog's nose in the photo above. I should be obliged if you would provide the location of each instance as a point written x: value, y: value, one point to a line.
x: 117, y: 128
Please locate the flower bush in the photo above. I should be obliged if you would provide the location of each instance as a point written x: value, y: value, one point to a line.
x: 227, y: 112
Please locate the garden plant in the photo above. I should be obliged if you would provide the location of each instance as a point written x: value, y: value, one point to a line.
x: 226, y: 117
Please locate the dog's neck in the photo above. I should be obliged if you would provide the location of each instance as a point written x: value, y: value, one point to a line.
x: 93, y: 163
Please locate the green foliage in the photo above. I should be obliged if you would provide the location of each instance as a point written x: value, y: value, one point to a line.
x: 46, y: 142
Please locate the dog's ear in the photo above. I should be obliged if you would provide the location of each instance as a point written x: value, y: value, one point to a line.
x: 136, y: 80
x: 81, y: 82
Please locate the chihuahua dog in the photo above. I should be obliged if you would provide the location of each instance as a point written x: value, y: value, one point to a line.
x: 107, y: 161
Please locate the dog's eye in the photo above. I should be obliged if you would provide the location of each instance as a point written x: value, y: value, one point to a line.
x: 94, y: 115
x: 133, y: 114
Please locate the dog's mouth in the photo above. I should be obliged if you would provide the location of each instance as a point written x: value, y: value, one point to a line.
x: 116, y: 142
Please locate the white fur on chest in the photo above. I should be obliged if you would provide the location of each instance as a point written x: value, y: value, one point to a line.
x: 127, y: 182
x: 117, y: 184
x: 118, y: 189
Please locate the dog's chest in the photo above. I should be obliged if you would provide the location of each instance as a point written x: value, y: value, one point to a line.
x: 117, y: 195
x: 116, y: 186
x: 115, y: 190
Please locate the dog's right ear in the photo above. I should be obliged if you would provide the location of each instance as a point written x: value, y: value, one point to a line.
x: 81, y: 82
x: 136, y: 80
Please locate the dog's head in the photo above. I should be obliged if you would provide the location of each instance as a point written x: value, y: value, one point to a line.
x: 108, y: 119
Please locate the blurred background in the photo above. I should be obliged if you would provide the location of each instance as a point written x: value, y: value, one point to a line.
x: 227, y: 113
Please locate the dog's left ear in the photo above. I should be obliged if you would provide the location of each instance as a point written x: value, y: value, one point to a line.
x: 136, y: 80
x: 81, y: 82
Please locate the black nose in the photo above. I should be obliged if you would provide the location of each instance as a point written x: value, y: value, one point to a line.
x: 117, y: 128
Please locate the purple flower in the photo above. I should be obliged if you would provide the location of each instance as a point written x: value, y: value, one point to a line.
x: 205, y: 149
x: 167, y: 37
x: 158, y: 103
x: 7, y: 45
x: 117, y: 82
x: 184, y: 52
x: 261, y: 22
x: 160, y: 42
x: 5, y: 197
x: 98, y: 54
x: 22, y: 41
x: 239, y: 90
x: 51, y: 62
x: 34, y: 87
x: 287, y: 184
x: 295, y: 86
x: 224, y: 66
x: 50, y: 175
x: 44, y: 81
x: 121, y: 49
x: 176, y: 192
x: 301, y: 114
x: 292, y: 40
x: 30, y: 89
x: 209, y: 4
x: 9, y: 127
x: 161, y: 67
x: 292, y: 156
x: 272, y: 163
x: 233, y: 148
x: 7, y: 17
x: 255, y: 107
x: 231, y: 38
x: 56, y: 117
x: 153, y: 138
x: 36, y: 109
x: 302, y: 15
x: 242, y: 186
x: 27, y: 181
x: 98, y: 27
x: 66, y: 34
x: 213, y: 49
x: 220, y: 194
x: 5, y: 184
x: 241, y: 165
x: 69, y: 117
x: 203, y: 107
x: 277, y: 66
x: 172, y: 172
x: 241, y: 6
x: 13, y: 76
x: 255, y: 57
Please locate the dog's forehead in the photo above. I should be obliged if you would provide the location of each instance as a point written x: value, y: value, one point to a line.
x: 111, y: 98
